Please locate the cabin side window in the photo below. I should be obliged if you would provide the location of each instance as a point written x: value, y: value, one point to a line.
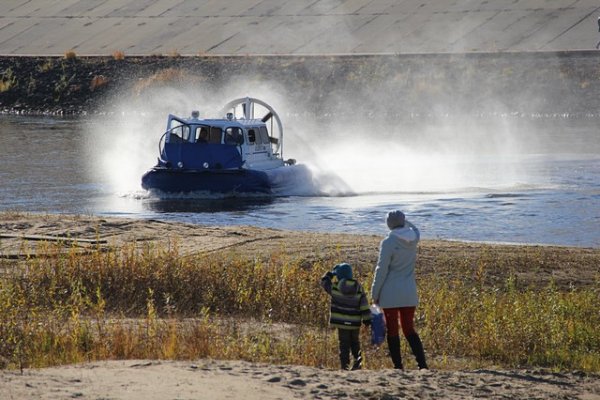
x: 251, y: 136
x: 215, y: 135
x: 201, y: 134
x: 234, y: 135
x: 264, y: 135
x: 179, y: 134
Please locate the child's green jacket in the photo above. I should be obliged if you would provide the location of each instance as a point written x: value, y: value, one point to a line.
x: 349, y: 305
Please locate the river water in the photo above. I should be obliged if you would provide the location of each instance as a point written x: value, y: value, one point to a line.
x: 501, y: 178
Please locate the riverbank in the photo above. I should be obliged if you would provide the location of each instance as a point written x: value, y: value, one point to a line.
x: 390, y: 86
x: 209, y: 312
x: 22, y: 235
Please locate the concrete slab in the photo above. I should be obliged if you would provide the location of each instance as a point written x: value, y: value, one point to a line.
x: 156, y: 8
x: 295, y: 26
x: 331, y: 34
x: 62, y: 38
x: 264, y: 8
x: 125, y: 34
x: 452, y: 30
x: 488, y: 34
x: 10, y: 28
x: 573, y: 32
x: 349, y: 7
x: 49, y: 8
x: 8, y: 6
x: 234, y: 9
x: 376, y: 7
x: 78, y: 8
x: 197, y: 38
x: 158, y: 40
x: 252, y: 38
x: 132, y: 8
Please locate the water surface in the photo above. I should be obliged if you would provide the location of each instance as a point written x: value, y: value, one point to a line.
x: 541, y: 184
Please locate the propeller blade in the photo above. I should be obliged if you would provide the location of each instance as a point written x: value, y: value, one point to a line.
x: 267, y: 117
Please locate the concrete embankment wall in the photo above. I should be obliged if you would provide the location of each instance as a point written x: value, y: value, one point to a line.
x: 391, y: 57
x: 297, y: 27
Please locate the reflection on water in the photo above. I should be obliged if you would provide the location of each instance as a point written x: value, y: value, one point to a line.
x: 552, y: 196
x: 205, y: 205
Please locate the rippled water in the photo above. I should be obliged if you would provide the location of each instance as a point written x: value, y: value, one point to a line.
x: 540, y: 184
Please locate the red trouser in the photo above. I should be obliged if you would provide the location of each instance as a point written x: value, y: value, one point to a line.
x: 407, y: 315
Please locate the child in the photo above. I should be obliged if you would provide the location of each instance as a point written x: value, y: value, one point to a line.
x: 349, y: 308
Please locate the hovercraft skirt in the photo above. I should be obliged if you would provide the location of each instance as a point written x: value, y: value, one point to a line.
x: 169, y: 180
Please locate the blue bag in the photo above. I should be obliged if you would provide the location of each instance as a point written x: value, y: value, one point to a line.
x: 377, y: 325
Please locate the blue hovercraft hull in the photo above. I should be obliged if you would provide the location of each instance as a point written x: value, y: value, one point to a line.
x: 281, y: 181
x: 170, y: 180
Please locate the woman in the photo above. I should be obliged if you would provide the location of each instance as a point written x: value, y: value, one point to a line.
x: 395, y: 288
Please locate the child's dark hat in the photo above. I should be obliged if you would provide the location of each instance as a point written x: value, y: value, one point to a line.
x: 343, y: 271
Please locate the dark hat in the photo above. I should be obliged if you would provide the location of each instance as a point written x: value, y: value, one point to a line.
x: 343, y: 271
x: 395, y: 219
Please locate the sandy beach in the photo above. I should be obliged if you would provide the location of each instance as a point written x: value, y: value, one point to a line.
x: 22, y: 234
x: 211, y: 379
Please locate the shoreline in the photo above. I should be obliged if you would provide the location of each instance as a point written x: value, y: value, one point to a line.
x: 457, y: 241
x: 515, y: 244
x: 564, y: 265
x: 531, y: 268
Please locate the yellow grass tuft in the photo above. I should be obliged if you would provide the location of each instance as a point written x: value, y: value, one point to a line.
x: 164, y: 77
x: 173, y: 53
x: 8, y: 80
x: 46, y: 66
x: 70, y: 55
x: 118, y: 55
x: 98, y: 81
x: 6, y: 85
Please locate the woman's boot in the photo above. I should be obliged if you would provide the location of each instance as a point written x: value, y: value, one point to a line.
x: 394, y: 347
x: 417, y: 348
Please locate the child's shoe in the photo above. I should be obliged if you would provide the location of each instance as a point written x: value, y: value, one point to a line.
x: 357, y: 364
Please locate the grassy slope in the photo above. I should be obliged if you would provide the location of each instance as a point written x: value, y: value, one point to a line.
x: 529, y: 83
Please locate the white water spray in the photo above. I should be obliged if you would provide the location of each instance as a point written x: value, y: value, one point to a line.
x: 345, y: 157
x: 127, y: 143
x: 379, y: 157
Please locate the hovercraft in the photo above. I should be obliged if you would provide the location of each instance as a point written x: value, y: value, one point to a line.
x: 237, y: 154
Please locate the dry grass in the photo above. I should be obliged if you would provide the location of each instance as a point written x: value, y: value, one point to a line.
x: 154, y: 303
x: 70, y: 55
x: 163, y: 78
x: 174, y: 53
x: 118, y: 55
x: 98, y: 81
x: 8, y: 80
